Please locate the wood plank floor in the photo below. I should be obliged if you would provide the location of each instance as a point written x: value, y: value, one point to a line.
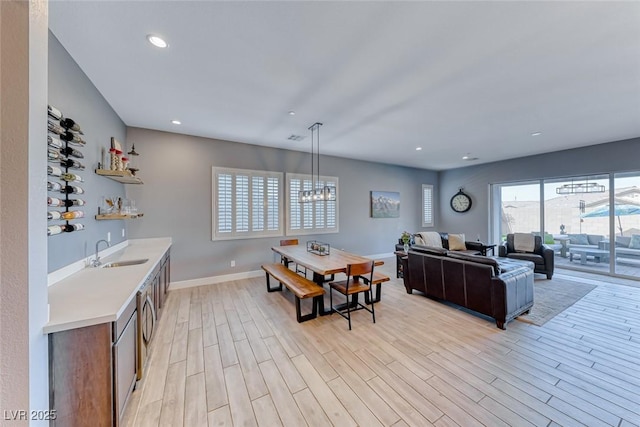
x: 232, y: 354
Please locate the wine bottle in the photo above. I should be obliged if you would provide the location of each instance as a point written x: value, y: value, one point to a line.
x: 55, y: 229
x: 54, y: 170
x: 71, y: 177
x: 54, y: 142
x: 70, y: 163
x: 53, y: 186
x: 72, y: 215
x: 74, y: 227
x: 53, y: 154
x: 54, y: 112
x: 72, y: 138
x: 71, y: 125
x: 54, y: 201
x: 55, y: 128
x: 73, y: 202
x: 53, y: 215
x: 68, y: 189
x: 68, y: 151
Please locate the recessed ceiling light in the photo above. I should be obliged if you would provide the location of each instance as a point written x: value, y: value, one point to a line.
x: 157, y: 41
x: 418, y: 148
x: 469, y: 157
x: 536, y: 134
x: 292, y: 113
x: 176, y: 122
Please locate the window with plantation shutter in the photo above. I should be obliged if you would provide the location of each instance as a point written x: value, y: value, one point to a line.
x: 427, y: 205
x: 313, y: 217
x: 246, y: 203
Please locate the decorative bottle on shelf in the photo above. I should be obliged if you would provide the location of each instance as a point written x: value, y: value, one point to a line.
x: 54, y: 201
x: 54, y: 112
x: 53, y: 154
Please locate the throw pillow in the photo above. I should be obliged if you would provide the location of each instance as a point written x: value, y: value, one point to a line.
x: 578, y: 239
x: 456, y: 242
x: 634, y: 243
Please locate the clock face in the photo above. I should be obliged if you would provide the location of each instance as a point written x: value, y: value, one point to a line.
x: 460, y: 202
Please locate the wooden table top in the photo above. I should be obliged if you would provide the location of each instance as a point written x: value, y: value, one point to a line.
x: 335, y: 262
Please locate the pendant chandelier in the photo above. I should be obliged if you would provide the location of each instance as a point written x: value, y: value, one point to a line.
x: 317, y: 193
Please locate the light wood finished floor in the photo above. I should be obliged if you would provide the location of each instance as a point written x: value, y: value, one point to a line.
x: 232, y: 354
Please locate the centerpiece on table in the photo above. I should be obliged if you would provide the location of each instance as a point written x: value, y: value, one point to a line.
x: 406, y: 239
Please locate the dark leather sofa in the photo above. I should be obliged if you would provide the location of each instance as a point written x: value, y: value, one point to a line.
x: 499, y: 288
x: 473, y: 248
x: 542, y: 256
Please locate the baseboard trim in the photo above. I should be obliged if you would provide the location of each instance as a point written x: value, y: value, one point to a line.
x: 183, y: 284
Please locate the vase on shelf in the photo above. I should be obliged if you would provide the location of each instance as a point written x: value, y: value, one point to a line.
x: 406, y: 247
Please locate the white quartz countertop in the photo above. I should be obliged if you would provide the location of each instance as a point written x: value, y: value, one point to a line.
x: 98, y: 295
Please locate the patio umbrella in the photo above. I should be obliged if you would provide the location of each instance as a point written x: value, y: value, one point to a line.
x: 619, y: 211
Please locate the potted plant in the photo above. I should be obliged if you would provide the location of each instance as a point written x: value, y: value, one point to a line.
x: 406, y: 239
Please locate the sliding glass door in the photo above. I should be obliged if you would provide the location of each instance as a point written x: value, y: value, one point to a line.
x: 573, y: 217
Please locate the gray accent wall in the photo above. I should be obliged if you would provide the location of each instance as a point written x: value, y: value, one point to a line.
x: 620, y: 156
x: 71, y: 91
x: 176, y: 200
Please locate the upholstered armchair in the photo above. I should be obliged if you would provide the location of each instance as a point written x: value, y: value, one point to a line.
x: 541, y: 255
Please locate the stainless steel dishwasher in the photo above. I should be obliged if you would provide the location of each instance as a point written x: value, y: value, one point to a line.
x: 146, y: 322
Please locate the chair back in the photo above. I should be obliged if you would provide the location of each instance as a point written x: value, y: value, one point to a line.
x: 357, y: 270
x: 511, y: 247
x: 288, y: 242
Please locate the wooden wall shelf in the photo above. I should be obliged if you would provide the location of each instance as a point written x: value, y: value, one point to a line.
x: 125, y: 177
x: 119, y: 216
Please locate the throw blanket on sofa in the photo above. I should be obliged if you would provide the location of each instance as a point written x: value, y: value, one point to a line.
x: 428, y: 238
x: 523, y: 242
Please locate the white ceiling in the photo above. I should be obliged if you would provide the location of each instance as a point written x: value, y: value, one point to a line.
x: 384, y: 77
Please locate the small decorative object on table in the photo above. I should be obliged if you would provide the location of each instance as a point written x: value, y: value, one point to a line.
x: 406, y: 239
x: 318, y: 248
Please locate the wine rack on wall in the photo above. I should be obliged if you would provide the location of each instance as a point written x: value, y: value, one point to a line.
x: 63, y: 182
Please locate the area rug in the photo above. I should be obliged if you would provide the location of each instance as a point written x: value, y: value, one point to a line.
x: 552, y: 297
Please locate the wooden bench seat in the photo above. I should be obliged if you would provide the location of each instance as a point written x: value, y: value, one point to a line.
x: 300, y: 287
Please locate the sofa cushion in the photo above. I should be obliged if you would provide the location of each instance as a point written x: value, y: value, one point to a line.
x: 594, y: 239
x: 456, y: 242
x: 634, y: 243
x: 579, y: 239
x: 534, y: 258
x: 477, y: 258
x: 428, y: 238
x: 432, y: 250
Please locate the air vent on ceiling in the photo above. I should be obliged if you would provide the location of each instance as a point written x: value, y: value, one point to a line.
x: 295, y: 138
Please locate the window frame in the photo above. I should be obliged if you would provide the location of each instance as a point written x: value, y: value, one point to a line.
x: 424, y: 207
x: 292, y: 199
x: 234, y: 234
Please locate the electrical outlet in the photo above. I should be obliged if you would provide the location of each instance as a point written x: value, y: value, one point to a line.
x: 123, y: 232
x: 233, y: 263
x: 108, y: 237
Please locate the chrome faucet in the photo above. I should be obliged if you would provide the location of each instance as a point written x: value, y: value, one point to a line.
x: 96, y: 262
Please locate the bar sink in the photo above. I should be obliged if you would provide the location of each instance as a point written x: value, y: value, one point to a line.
x: 125, y: 263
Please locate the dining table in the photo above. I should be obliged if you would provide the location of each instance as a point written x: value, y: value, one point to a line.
x: 327, y: 264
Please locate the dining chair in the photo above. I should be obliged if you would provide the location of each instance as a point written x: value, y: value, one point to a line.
x: 352, y: 287
x: 286, y: 261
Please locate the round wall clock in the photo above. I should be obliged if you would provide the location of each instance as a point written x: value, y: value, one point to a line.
x: 461, y: 202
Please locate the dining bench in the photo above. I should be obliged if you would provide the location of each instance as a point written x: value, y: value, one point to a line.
x: 300, y: 287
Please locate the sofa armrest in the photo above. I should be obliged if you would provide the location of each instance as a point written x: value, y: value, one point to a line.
x: 502, y: 250
x: 474, y: 246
